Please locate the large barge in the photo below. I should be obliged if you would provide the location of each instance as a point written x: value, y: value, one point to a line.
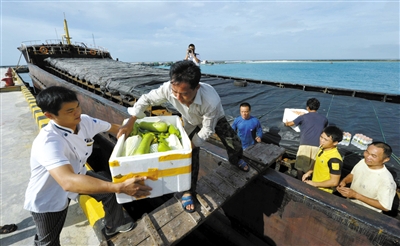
x: 275, y: 206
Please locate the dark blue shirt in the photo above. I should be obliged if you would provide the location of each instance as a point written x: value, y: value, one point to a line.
x: 311, y: 126
x: 247, y: 130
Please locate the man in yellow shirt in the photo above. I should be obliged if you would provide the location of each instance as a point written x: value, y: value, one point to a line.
x: 328, y: 163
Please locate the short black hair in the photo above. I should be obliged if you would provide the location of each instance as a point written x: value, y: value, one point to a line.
x: 245, y: 104
x: 387, y: 150
x: 313, y: 103
x: 51, y: 99
x: 334, y: 132
x: 185, y: 71
x: 191, y: 45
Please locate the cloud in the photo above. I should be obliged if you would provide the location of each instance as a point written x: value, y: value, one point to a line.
x: 161, y: 30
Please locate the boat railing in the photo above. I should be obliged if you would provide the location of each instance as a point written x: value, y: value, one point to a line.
x: 54, y: 41
x: 23, y: 47
x: 56, y: 46
x: 84, y: 50
x: 377, y: 96
x: 98, y: 48
x: 104, y: 50
x: 31, y: 42
x: 80, y: 44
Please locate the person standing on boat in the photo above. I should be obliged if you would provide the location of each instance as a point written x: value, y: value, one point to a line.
x: 202, y: 114
x: 328, y: 164
x: 372, y: 185
x: 191, y: 55
x: 311, y: 125
x: 58, y: 171
x: 247, y: 127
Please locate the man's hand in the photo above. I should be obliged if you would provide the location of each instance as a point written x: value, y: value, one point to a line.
x: 135, y: 187
x: 346, y: 192
x: 342, y: 184
x: 310, y: 182
x: 127, y: 128
x: 124, y: 130
x: 289, y: 123
x: 306, y: 176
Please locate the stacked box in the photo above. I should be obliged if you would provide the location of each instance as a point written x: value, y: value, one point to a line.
x: 167, y: 172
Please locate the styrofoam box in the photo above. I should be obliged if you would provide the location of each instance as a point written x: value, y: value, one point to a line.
x: 173, y: 167
x: 292, y: 113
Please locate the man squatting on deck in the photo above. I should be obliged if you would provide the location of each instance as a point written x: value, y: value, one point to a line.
x: 57, y: 162
x: 202, y: 114
x: 372, y: 185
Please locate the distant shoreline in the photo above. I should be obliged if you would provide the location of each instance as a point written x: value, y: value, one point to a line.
x: 158, y: 63
x: 317, y: 60
x: 211, y: 62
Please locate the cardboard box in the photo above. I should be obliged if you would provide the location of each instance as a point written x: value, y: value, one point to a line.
x: 292, y: 113
x: 167, y: 172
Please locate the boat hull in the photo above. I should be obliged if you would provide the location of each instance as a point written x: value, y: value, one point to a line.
x: 286, y: 211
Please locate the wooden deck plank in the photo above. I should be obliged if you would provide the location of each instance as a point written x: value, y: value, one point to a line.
x: 172, y: 223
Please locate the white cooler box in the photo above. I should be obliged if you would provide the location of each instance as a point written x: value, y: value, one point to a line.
x: 167, y: 172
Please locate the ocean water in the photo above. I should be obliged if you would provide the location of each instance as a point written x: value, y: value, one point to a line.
x: 383, y: 77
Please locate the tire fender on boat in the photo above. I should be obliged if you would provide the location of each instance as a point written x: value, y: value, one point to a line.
x: 92, y: 52
x: 240, y: 83
x: 43, y: 50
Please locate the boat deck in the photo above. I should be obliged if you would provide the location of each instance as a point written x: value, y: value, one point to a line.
x: 124, y: 83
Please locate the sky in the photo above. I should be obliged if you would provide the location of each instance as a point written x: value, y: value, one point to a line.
x: 149, y: 31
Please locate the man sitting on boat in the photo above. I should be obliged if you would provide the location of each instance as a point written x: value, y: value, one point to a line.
x: 328, y: 164
x: 372, y: 185
x: 191, y: 55
x: 202, y: 114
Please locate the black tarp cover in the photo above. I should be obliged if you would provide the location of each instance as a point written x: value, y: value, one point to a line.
x: 378, y: 120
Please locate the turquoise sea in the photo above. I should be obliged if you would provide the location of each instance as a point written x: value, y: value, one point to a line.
x: 382, y: 76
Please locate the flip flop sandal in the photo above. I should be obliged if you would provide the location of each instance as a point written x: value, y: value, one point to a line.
x: 186, y: 201
x: 242, y: 164
x: 8, y: 228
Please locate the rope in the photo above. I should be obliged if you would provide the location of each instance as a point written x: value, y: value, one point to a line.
x: 327, y: 113
x: 397, y: 159
x: 379, y: 123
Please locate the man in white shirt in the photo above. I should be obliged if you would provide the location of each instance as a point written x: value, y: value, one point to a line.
x: 202, y: 114
x: 191, y: 55
x: 57, y: 162
x: 372, y: 185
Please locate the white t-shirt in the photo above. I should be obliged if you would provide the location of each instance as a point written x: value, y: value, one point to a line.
x: 205, y: 111
x: 56, y: 146
x: 373, y: 183
x: 191, y: 58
